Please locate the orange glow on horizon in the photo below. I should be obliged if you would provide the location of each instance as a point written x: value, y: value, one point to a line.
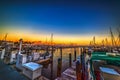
x: 28, y: 35
x: 57, y: 39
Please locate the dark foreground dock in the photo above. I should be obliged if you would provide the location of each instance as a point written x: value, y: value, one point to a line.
x: 8, y: 73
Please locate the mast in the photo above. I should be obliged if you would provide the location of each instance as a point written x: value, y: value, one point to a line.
x: 94, y: 43
x: 118, y: 37
x: 46, y: 41
x: 103, y: 42
x: 52, y: 56
x: 112, y: 38
x: 90, y: 43
x: 5, y: 36
x: 5, y: 44
x: 52, y: 39
x: 4, y: 40
x: 20, y: 47
x: 106, y: 42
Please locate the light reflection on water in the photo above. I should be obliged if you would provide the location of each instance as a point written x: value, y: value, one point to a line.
x: 65, y: 61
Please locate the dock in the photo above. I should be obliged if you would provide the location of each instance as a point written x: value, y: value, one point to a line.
x: 42, y: 78
x: 8, y: 73
x: 68, y: 74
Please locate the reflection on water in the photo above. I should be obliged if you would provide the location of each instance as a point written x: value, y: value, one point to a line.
x: 65, y: 61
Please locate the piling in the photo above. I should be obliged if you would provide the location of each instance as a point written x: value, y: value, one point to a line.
x: 52, y: 64
x: 81, y: 50
x: 59, y: 67
x: 83, y: 64
x: 74, y: 55
x: 78, y: 70
x: 61, y: 53
x: 70, y: 60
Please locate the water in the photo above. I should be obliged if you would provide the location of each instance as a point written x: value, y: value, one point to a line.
x: 65, y: 61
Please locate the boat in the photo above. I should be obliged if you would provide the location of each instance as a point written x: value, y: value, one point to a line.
x: 105, y: 66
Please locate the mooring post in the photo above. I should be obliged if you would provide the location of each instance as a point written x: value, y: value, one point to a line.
x: 61, y: 53
x: 74, y: 54
x: 82, y: 67
x: 81, y: 50
x: 78, y: 70
x: 59, y: 67
x: 83, y: 64
x: 52, y: 64
x: 70, y: 59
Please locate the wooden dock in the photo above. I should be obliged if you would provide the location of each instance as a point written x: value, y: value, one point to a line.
x: 74, y: 72
x: 68, y: 74
x: 42, y: 78
x: 8, y: 73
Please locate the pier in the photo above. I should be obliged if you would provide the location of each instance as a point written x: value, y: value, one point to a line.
x: 8, y: 73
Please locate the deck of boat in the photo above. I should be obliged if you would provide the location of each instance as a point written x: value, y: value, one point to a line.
x: 107, y: 76
x: 44, y: 61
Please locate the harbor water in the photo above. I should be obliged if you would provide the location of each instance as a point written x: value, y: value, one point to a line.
x: 65, y: 61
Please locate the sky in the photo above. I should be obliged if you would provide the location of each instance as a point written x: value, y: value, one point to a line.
x: 70, y: 21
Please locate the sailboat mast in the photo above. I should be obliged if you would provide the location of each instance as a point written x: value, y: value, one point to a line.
x: 106, y: 42
x: 112, y: 38
x: 94, y: 41
x: 118, y: 36
x: 5, y: 36
x: 20, y: 47
x: 52, y: 39
x: 103, y: 42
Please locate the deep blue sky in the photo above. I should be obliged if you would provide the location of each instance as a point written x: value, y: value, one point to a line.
x: 63, y: 17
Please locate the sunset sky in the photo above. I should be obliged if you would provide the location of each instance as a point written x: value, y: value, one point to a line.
x: 70, y: 21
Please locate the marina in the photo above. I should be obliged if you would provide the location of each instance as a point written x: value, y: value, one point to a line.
x: 75, y: 64
x: 60, y: 40
x: 63, y: 62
